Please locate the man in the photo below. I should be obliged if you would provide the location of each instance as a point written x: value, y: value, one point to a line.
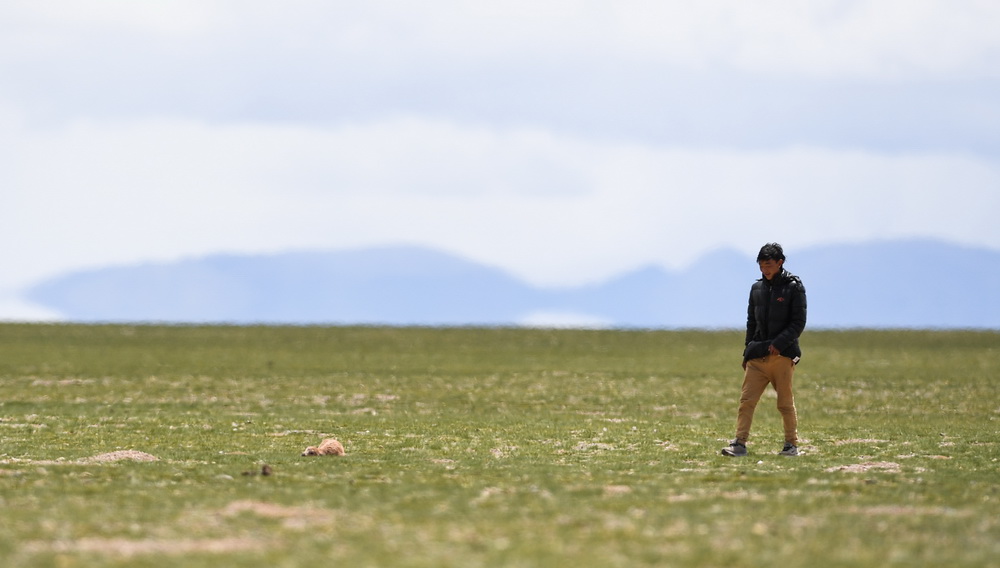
x: 776, y: 317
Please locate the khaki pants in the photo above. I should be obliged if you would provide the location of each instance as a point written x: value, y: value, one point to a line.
x: 777, y: 371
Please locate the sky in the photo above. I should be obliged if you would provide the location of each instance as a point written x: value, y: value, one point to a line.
x: 565, y: 142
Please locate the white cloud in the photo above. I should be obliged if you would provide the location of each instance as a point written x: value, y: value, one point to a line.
x: 151, y: 131
x: 552, y: 209
x: 893, y: 39
x: 564, y: 320
x: 15, y: 309
x: 102, y: 16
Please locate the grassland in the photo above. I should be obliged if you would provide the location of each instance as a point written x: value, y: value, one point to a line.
x: 490, y: 447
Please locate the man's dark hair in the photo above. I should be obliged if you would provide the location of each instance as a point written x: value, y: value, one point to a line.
x: 770, y: 251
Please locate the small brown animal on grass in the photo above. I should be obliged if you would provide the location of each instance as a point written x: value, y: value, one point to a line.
x: 328, y: 447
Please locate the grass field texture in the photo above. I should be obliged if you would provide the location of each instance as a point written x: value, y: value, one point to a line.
x: 143, y: 446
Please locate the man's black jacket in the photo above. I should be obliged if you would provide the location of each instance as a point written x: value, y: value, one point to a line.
x: 776, y: 316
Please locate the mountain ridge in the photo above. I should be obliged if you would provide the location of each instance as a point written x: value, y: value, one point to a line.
x: 875, y: 284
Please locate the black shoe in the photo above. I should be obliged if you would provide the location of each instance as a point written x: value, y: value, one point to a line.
x: 736, y: 449
x: 789, y: 450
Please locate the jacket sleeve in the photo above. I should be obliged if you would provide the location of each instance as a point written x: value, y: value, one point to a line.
x: 797, y: 319
x: 751, y: 319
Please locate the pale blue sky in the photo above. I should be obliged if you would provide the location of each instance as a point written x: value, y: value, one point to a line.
x: 562, y: 141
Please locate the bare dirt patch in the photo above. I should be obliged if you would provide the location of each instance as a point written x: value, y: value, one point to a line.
x: 907, y: 511
x: 613, y: 490
x: 290, y: 517
x: 588, y: 446
x: 129, y: 548
x: 122, y: 455
x: 858, y: 441
x: 110, y: 457
x: 60, y: 382
x: 888, y: 467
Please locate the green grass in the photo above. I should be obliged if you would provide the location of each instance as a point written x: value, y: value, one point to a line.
x: 491, y: 447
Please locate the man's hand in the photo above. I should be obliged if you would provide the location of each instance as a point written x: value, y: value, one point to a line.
x: 771, y: 349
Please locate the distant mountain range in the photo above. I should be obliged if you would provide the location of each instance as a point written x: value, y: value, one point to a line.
x: 908, y: 284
